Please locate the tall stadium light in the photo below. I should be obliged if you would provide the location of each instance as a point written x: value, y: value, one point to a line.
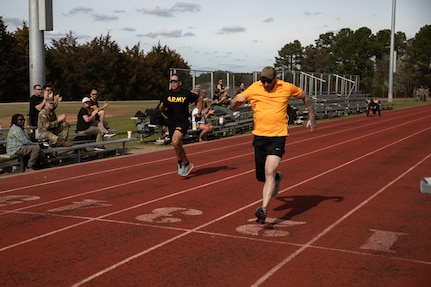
x: 392, y: 54
x: 40, y: 20
x: 45, y: 15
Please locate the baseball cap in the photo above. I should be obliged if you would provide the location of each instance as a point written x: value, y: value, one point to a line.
x: 50, y: 100
x: 86, y: 99
x: 268, y: 72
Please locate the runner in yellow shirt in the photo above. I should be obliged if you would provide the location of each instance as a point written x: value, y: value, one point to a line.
x: 269, y: 98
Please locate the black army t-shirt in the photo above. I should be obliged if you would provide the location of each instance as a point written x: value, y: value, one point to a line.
x: 177, y: 105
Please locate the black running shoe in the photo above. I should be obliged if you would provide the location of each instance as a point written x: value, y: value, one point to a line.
x: 261, y: 215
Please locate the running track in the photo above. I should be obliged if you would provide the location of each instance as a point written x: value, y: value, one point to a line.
x: 350, y: 213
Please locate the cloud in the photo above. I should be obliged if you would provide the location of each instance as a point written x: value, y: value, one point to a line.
x: 186, y: 7
x: 231, y: 29
x: 157, y: 11
x: 167, y: 34
x: 128, y: 29
x: 53, y: 35
x: 268, y: 20
x: 97, y: 17
x: 79, y: 9
x: 14, y: 21
x: 104, y: 18
x: 306, y: 13
x: 179, y: 7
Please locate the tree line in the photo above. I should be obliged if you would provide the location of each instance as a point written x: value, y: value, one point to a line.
x: 362, y: 53
x: 73, y: 69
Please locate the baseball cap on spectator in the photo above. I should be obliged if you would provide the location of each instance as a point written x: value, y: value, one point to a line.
x: 86, y: 99
x: 50, y: 100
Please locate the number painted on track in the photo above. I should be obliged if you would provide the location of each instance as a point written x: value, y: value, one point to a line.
x: 14, y: 199
x: 85, y: 204
x: 268, y: 230
x: 166, y: 214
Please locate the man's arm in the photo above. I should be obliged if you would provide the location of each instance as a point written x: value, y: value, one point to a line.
x: 237, y: 101
x: 311, y: 116
x: 162, y: 110
x: 40, y: 106
x: 57, y: 100
x: 199, y: 104
x: 105, y: 105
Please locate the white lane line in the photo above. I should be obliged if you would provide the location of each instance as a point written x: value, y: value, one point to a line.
x: 332, y: 226
x: 297, y: 252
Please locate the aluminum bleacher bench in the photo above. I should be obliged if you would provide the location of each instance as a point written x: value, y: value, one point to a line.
x: 232, y: 128
x: 77, y: 151
x: 16, y: 166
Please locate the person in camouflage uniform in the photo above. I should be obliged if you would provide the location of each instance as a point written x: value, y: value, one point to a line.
x: 52, y: 128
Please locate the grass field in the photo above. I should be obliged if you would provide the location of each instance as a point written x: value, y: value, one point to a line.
x: 119, y: 112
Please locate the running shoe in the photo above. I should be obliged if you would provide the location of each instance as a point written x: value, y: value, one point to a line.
x: 180, y: 168
x: 109, y: 135
x: 187, y: 169
x: 278, y: 177
x: 261, y: 215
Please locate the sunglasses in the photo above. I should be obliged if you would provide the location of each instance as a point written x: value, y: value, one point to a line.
x: 174, y: 81
x: 268, y: 81
x: 20, y: 119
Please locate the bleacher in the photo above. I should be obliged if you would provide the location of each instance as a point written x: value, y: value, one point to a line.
x: 325, y: 107
x: 331, y: 106
x: 228, y: 126
x: 83, y: 148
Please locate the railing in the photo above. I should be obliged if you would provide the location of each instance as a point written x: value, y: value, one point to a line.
x: 310, y: 84
x: 346, y: 86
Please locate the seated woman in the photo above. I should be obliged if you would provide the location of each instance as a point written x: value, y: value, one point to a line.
x: 19, y: 143
x: 201, y: 122
x: 87, y: 123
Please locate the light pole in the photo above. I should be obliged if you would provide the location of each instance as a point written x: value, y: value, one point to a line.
x: 392, y: 54
x: 40, y: 19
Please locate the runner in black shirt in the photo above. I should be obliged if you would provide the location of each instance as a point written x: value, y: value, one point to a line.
x: 174, y: 106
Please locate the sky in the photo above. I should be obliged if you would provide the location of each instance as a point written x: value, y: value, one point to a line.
x: 236, y: 35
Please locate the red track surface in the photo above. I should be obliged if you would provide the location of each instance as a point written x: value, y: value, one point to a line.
x: 349, y: 213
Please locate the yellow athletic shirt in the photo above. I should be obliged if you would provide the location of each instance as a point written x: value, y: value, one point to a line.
x: 270, y: 108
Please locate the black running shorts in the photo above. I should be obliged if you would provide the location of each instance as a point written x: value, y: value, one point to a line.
x: 182, y: 127
x: 264, y: 146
